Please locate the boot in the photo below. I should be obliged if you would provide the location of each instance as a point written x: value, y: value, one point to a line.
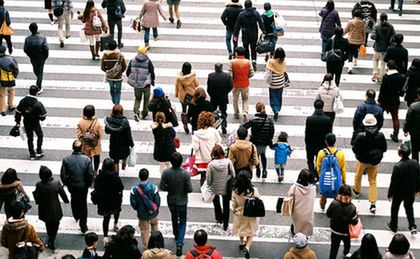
x: 92, y: 50
x: 350, y: 69
x: 355, y: 62
x: 97, y: 49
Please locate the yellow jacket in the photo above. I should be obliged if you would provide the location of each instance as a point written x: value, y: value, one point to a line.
x: 340, y: 158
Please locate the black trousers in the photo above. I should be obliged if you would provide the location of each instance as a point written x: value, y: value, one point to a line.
x: 408, y: 206
x: 38, y: 67
x: 311, y: 153
x: 335, y: 245
x: 8, y: 40
x: 52, y: 229
x: 79, y: 205
x: 222, y: 107
x: 249, y: 40
x: 415, y: 147
x: 30, y: 128
x: 331, y: 115
x: 222, y: 216
x: 112, y: 29
x: 335, y: 69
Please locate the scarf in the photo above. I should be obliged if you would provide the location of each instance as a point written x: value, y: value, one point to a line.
x: 269, y: 13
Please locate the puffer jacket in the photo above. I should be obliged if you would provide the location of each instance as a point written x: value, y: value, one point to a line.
x: 241, y: 70
x: 412, y: 120
x: 203, y: 142
x: 327, y: 93
x: 66, y: 4
x: 330, y: 20
x: 36, y: 47
x: 262, y: 129
x: 89, y: 30
x: 109, y: 59
x: 390, y: 91
x: 248, y: 20
x: 76, y: 171
x: 230, y: 15
x: 281, y: 151
x: 185, y: 84
x: 9, y: 64
x: 356, y: 30
x: 140, y: 72
x: 31, y: 109
x: 152, y: 192
x: 382, y: 37
x: 218, y: 173
x: 240, y: 154
x: 120, y: 139
x: 413, y: 84
x: 369, y: 147
x: 341, y: 215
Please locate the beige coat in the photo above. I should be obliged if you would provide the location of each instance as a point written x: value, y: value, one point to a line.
x: 157, y: 253
x: 327, y: 94
x: 356, y: 30
x: 303, y: 209
x: 240, y: 153
x: 300, y: 253
x: 185, y: 84
x: 149, y: 13
x: 97, y: 127
x: 243, y: 226
x: 89, y: 30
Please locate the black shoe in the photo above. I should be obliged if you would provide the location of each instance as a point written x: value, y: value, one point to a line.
x: 40, y: 153
x: 372, y: 208
x: 171, y: 19
x: 246, y: 253
x: 178, y: 251
x: 241, y: 247
x: 187, y: 130
x: 258, y: 172
x: 394, y: 230
x: 400, y: 12
x: 136, y: 117
x: 178, y: 24
x: 11, y: 108
x: 224, y: 131
x: 254, y: 65
x: 32, y: 157
x: 391, y: 9
x: 413, y: 231
x: 51, y: 246
x: 3, y: 114
x: 264, y: 174
x: 230, y: 56
x: 394, y: 137
x: 121, y: 45
x: 84, y: 229
x: 355, y: 194
x: 276, y: 116
x: 61, y: 44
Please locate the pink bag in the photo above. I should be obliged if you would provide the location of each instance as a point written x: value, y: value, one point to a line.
x: 189, y: 165
x: 355, y: 230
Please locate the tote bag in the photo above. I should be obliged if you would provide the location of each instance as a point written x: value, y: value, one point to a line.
x: 355, y: 230
x: 5, y: 29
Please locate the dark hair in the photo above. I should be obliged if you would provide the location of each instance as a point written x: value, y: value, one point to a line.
x: 33, y: 89
x: 186, y: 68
x: 143, y: 174
x: 218, y: 67
x: 89, y: 5
x: 282, y: 136
x: 89, y: 111
x: 156, y: 240
x: 383, y: 17
x: 9, y: 176
x: 77, y: 146
x: 117, y: 110
x: 345, y: 190
x: 404, y: 151
x: 279, y: 54
x: 199, y: 94
x: 33, y: 27
x: 267, y: 6
x: 370, y: 93
x: 338, y: 32
x: 16, y: 209
x: 369, y: 247
x: 358, y: 13
x: 330, y: 5
x: 243, y: 185
x: 305, y: 177
x: 248, y: 4
x: 68, y: 256
x: 176, y: 160
x: 240, y: 51
x: 399, y: 245
x: 391, y: 64
x: 318, y: 104
x: 126, y: 233
x: 1, y: 2
x: 398, y: 38
x: 44, y: 173
x: 200, y: 237
x: 91, y: 238
x: 217, y: 152
x: 112, y: 45
x: 260, y: 107
x: 328, y: 77
x: 242, y: 133
x: 108, y: 165
x: 416, y: 62
x: 330, y: 139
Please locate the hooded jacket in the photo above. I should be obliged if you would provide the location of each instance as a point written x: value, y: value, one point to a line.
x: 36, y: 47
x: 368, y: 106
x: 157, y: 253
x: 203, y: 250
x: 262, y: 129
x: 219, y: 171
x: 248, y: 20
x: 240, y: 154
x: 140, y: 72
x: 282, y: 150
x: 303, y: 209
x: 300, y: 253
x: 382, y: 37
x: 185, y: 84
x: 391, y: 89
x: 413, y: 75
x: 330, y: 20
x: 76, y: 171
x: 8, y: 193
x: 120, y: 136
x: 327, y: 93
x: 109, y: 59
x: 369, y: 147
x: 268, y: 20
x: 152, y: 192
x: 110, y: 6
x: 341, y: 215
x: 31, y: 109
x: 230, y: 15
x: 203, y: 142
x: 412, y: 120
x: 163, y: 148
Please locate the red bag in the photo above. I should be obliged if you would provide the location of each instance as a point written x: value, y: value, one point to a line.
x: 355, y: 230
x: 189, y: 165
x: 177, y: 142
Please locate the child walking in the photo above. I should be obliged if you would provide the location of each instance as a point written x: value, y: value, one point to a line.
x: 282, y: 150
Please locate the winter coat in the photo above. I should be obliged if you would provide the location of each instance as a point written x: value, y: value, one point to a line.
x: 163, y: 148
x: 262, y: 129
x: 341, y: 215
x: 203, y: 142
x: 341, y: 159
x: 240, y: 154
x: 400, y: 55
x: 408, y: 255
x: 36, y: 47
x: 149, y: 14
x: 219, y: 171
x: 109, y: 59
x: 277, y: 69
x: 185, y: 84
x: 330, y: 20
x: 382, y: 37
x: 157, y: 253
x: 230, y: 15
x: 317, y: 127
x: 110, y: 6
x: 412, y: 120
x: 368, y: 106
x: 177, y: 183
x: 268, y: 20
x: 390, y: 91
x: 46, y: 196
x: 405, y: 179
x: 152, y: 192
x: 8, y: 194
x: 282, y: 150
x: 219, y: 85
x: 366, y: 7
x: 141, y: 72
x: 248, y: 20
x: 31, y: 109
x: 356, y: 30
x: 90, y: 253
x: 109, y: 188
x: 194, y: 110
x: 303, y: 209
x: 83, y: 125
x: 203, y: 250
x: 89, y: 30
x: 9, y: 64
x: 76, y: 171
x: 413, y: 84
x: 162, y: 104
x: 341, y: 44
x: 241, y: 70
x: 327, y: 93
x: 120, y: 136
x: 243, y: 226
x: 369, y: 148
x: 118, y: 248
x: 300, y: 253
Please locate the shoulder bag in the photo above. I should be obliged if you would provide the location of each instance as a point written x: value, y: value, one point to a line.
x: 206, y: 193
x: 5, y: 29
x: 265, y: 45
x: 150, y: 205
x: 332, y: 55
x: 338, y: 104
x: 355, y: 230
x: 116, y: 69
x: 26, y: 249
x: 254, y: 207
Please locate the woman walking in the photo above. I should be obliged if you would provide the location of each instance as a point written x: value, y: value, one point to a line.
x: 10, y: 184
x: 94, y: 24
x: 4, y: 15
x: 150, y: 19
x: 327, y: 92
x: 173, y: 7
x: 399, y: 248
x: 123, y: 245
x: 164, y: 135
x: 48, y: 7
x: 338, y: 43
x: 368, y: 249
x: 356, y: 30
x: 277, y: 68
x: 268, y: 20
x: 329, y: 20
x: 198, y: 105
x: 65, y: 18
x: 120, y: 140
x: 412, y: 77
x: 49, y: 207
x: 115, y: 10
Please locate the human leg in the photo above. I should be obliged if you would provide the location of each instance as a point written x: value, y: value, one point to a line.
x: 8, y: 40
x: 60, y: 21
x: 235, y: 99
x: 111, y: 25
x: 3, y: 99
x: 335, y: 245
x: 347, y: 245
x: 228, y: 43
x: 146, y: 36
x: 120, y: 33
x: 38, y: 68
x: 144, y: 231
x: 360, y: 168
x: 105, y: 225
x: 409, y: 211
x: 10, y: 97
x: 182, y: 212
x: 83, y: 209
x: 226, y: 210
x: 96, y: 160
x: 245, y: 97
x: 395, y: 207
x: 138, y: 94
x: 246, y: 42
x: 395, y: 121
x: 217, y: 209
x: 40, y: 136
x: 375, y: 71
x: 67, y: 20
x: 155, y: 33
x: 415, y: 147
x: 372, y: 171
x: 146, y: 100
x: 274, y: 95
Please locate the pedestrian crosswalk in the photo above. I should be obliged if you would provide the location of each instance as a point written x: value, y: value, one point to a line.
x: 72, y: 80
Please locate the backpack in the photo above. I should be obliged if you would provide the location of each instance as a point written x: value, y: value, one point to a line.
x: 202, y: 256
x: 96, y: 21
x: 26, y: 249
x: 330, y: 176
x: 89, y: 137
x: 7, y: 79
x: 118, y: 10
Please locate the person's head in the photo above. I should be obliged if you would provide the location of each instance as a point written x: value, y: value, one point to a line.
x: 33, y: 89
x: 17, y: 209
x: 267, y: 6
x: 91, y: 239
x: 156, y: 240
x: 300, y: 240
x: 318, y: 104
x: 328, y: 77
x: 176, y: 160
x: 330, y: 5
x: 279, y: 54
x: 186, y: 68
x: 33, y: 27
x: 398, y: 38
x: 330, y: 139
x: 416, y: 63
x: 143, y: 174
x: 112, y: 45
x: 370, y: 94
x: 345, y: 193
x: 248, y: 4
x: 1, y: 2
x: 404, y: 151
x: 89, y: 5
x: 358, y: 14
x: 369, y: 247
x: 9, y: 176
x: 391, y: 64
x: 217, y: 152
x: 383, y: 17
x: 44, y: 173
x: 235, y: 1
x: 205, y: 120
x: 305, y: 177
x: 260, y: 107
x: 399, y: 245
x: 218, y: 67
x: 143, y: 49
x: 77, y: 146
x: 242, y: 133
x: 338, y: 32
x: 160, y: 117
x: 117, y: 110
x: 200, y: 237
x: 126, y: 233
x: 243, y: 183
x: 108, y: 165
x: 199, y: 94
x: 240, y: 51
x: 89, y: 111
x: 158, y: 92
x: 282, y: 137
x: 68, y: 256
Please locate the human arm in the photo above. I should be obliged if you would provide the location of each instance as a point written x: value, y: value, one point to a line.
x: 163, y: 186
x: 188, y: 184
x: 408, y: 121
x: 42, y: 113
x: 388, y: 54
x: 45, y: 48
x: 224, y: 17
x: 209, y: 175
x: 63, y: 173
x: 255, y: 156
x: 62, y: 193
x: 347, y: 29
x: 8, y: 21
x: 152, y: 72
x: 319, y: 158
x: 374, y: 32
x: 230, y: 69
x: 89, y: 173
x: 15, y: 67
x: 32, y: 235
x: 161, y: 12
x: 105, y: 3
x: 260, y: 22
x: 142, y: 12
x: 394, y: 179
x: 133, y: 198
x: 251, y: 70
x: 104, y: 24
x: 337, y: 20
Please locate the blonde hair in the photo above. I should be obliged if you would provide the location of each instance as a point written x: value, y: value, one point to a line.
x: 205, y: 120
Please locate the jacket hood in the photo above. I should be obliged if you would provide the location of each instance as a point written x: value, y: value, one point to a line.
x: 187, y: 79
x: 242, y: 144
x: 203, y: 249
x: 414, y: 68
x: 156, y: 253
x: 304, y: 190
x: 164, y: 125
x: 232, y: 4
x: 327, y: 86
x: 14, y: 224
x: 9, y: 186
x: 141, y: 58
x: 249, y: 12
x: 220, y: 164
x: 115, y: 123
x: 108, y: 53
x: 392, y: 72
x: 28, y: 101
x: 205, y: 134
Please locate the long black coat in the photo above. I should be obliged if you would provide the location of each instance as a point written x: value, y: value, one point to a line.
x: 317, y: 127
x: 390, y: 91
x: 120, y: 139
x: 413, y: 84
x: 164, y: 147
x: 405, y: 179
x: 109, y: 189
x: 194, y: 110
x: 46, y: 196
x: 219, y: 84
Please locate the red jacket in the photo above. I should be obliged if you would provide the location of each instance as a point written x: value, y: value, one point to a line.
x: 203, y: 250
x: 241, y: 71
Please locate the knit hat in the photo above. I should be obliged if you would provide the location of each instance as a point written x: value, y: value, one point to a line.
x: 158, y: 92
x: 142, y: 49
x: 300, y: 240
x: 369, y: 120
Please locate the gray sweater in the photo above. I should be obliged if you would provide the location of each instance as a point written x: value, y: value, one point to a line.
x: 381, y: 37
x: 177, y: 183
x: 218, y: 174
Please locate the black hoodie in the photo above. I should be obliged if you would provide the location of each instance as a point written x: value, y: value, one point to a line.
x: 31, y: 109
x: 249, y: 20
x: 230, y: 15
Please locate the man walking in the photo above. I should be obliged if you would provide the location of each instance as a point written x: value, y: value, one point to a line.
x: 201, y: 247
x: 9, y: 71
x: 141, y: 75
x: 412, y: 126
x: 229, y: 17
x: 398, y: 53
x: 243, y: 153
x: 400, y: 5
x: 33, y: 112
x: 4, y: 14
x: 115, y: 11
x: 65, y: 18
x: 145, y: 199
x: 240, y: 69
x: 369, y: 147
x: 77, y: 175
x: 177, y: 183
x: 404, y: 187
x: 219, y: 84
x: 36, y: 48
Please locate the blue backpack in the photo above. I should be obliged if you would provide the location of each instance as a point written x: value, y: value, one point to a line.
x: 330, y: 176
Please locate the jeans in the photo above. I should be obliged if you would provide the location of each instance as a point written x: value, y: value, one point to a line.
x: 52, y: 229
x: 141, y: 93
x: 144, y: 226
x: 64, y: 19
x: 353, y: 51
x: 400, y: 4
x: 276, y: 98
x: 222, y: 107
x: 30, y: 128
x: 335, y: 245
x: 10, y: 97
x: 8, y: 40
x: 335, y: 69
x: 179, y: 222
x: 79, y: 205
x: 408, y: 206
x: 372, y: 170
x: 147, y: 34
x: 38, y: 68
x: 249, y: 39
x: 222, y: 216
x: 235, y: 97
x: 324, y: 43
x: 115, y: 90
x: 112, y: 29
x: 229, y: 35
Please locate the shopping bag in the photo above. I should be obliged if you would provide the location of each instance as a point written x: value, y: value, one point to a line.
x: 406, y: 140
x: 132, y: 158
x: 189, y: 165
x: 338, y: 105
x: 355, y: 230
x: 206, y: 193
x: 362, y: 51
x: 5, y: 29
x: 287, y: 206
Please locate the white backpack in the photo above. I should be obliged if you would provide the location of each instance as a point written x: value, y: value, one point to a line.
x: 96, y: 21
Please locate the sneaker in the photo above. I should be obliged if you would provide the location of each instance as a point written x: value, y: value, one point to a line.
x: 394, y: 137
x: 372, y: 208
x: 156, y: 38
x: 391, y: 8
x: 52, y: 22
x: 171, y: 19
x: 68, y: 36
x: 51, y: 246
x: 264, y: 174
x: 350, y: 71
x: 136, y: 117
x: 388, y: 226
x: 413, y: 231
x: 40, y: 91
x: 254, y: 65
x: 121, y: 45
x: 178, y: 251
x: 178, y: 24
x: 84, y: 230
x: 40, y: 153
x: 105, y: 241
x: 258, y: 172
x: 3, y: 114
x: 355, y: 194
x: 186, y: 129
x: 241, y: 246
x: 32, y: 157
x: 276, y: 116
x: 61, y: 44
x: 399, y: 12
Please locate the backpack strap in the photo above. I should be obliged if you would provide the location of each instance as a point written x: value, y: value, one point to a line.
x: 194, y: 253
x: 210, y: 252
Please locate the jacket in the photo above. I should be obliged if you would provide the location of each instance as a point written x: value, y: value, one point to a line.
x: 36, y: 47
x: 90, y: 253
x: 277, y: 69
x: 120, y: 139
x: 303, y: 208
x: 9, y: 64
x: 268, y: 20
x: 405, y: 179
x: 341, y: 215
x: 89, y: 29
x: 118, y: 248
x: 240, y: 154
x: 317, y: 127
x: 366, y: 7
x: 46, y: 196
x: 203, y: 250
x: 76, y: 171
x: 408, y: 255
x: 31, y: 109
x: 157, y: 253
x: 412, y: 120
x: 356, y: 30
x: 300, y: 253
x: 341, y: 44
x: 109, y: 188
x: 162, y: 104
x: 185, y: 84
x: 282, y: 150
x: 242, y: 225
x: 177, y: 183
x: 341, y: 159
x: 400, y: 55
x: 413, y: 75
x: 327, y: 93
x: 194, y: 110
x: 219, y: 171
x: 96, y: 127
x: 241, y: 70
x: 382, y: 37
x: 230, y: 15
x: 163, y: 147
x: 152, y: 192
x: 109, y: 59
x: 330, y: 20
x: 248, y: 20
x: 110, y: 6
x: 219, y: 85
x: 8, y: 193
x: 149, y: 14
x: 203, y: 142
x: 368, y: 106
x: 140, y: 72
x: 369, y: 148
x: 262, y: 129
x: 391, y: 89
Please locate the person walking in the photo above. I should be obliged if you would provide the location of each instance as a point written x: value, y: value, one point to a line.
x: 202, y: 248
x: 329, y: 21
x: 173, y: 7
x: 120, y: 140
x: 10, y: 69
x: 48, y: 7
x: 242, y: 153
x: 161, y: 103
x: 93, y: 31
x: 368, y: 147
x: 412, y: 126
x: 241, y: 70
x: 110, y: 58
x: 145, y: 199
x: 123, y: 245
x: 77, y: 174
x: 356, y: 37
x: 368, y: 248
x: 156, y: 248
x: 400, y: 6
x: 342, y: 44
x: 268, y: 21
x: 65, y: 18
x: 177, y: 183
x: 229, y: 17
x: 115, y: 10
x: 412, y: 77
x: 277, y: 68
x: 4, y: 15
x: 198, y: 105
x: 398, y: 53
x: 109, y: 191
x: 49, y: 208
x: 164, y: 135
x: 89, y: 123
x: 33, y: 112
x: 404, y: 187
x: 369, y: 15
x: 219, y: 85
x: 399, y: 248
x: 10, y: 183
x: 282, y: 150
x: 301, y: 248
x: 327, y: 92
x: 150, y: 19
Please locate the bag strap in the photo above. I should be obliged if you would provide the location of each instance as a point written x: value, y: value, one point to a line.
x: 194, y: 253
x: 91, y: 124
x: 252, y: 153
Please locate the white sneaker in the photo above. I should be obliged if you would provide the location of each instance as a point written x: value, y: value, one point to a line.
x: 413, y: 232
x: 105, y: 241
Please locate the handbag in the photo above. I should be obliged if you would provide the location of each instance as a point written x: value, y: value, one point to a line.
x: 58, y: 11
x: 206, y: 193
x: 105, y: 40
x: 288, y: 204
x: 362, y: 51
x: 176, y: 142
x: 254, y: 207
x: 268, y: 76
x: 96, y: 21
x: 136, y: 25
x: 231, y: 181
x: 286, y: 80
x: 172, y: 117
x: 332, y: 55
x: 278, y: 25
x: 189, y: 165
x: 338, y: 104
x: 14, y: 132
x: 94, y: 197
x: 355, y: 230
x: 132, y: 158
x: 5, y: 29
x: 26, y: 249
x: 265, y: 45
x: 115, y: 70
